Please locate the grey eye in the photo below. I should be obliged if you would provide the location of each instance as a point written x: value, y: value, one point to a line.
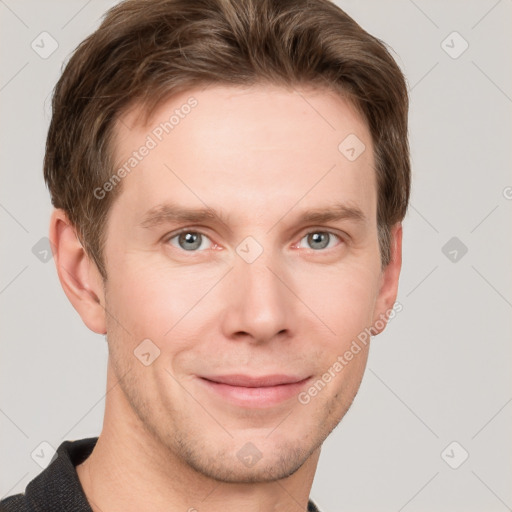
x: 319, y: 240
x: 189, y: 240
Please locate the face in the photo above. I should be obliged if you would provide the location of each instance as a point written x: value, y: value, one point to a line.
x: 227, y: 326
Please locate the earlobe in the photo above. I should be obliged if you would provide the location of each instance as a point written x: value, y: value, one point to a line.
x: 78, y: 274
x: 389, y: 283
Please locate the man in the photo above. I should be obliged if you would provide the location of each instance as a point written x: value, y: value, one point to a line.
x: 271, y: 138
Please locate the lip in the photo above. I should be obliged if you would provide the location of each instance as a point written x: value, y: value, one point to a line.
x: 252, y: 391
x: 247, y: 381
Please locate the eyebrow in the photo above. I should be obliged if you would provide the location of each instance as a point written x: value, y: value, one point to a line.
x: 168, y: 213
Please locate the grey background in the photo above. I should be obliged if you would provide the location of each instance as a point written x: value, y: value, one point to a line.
x: 439, y: 373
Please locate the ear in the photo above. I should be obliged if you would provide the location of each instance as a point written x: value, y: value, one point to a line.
x: 78, y: 274
x: 388, y: 283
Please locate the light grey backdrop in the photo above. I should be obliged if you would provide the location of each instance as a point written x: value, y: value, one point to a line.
x: 438, y: 384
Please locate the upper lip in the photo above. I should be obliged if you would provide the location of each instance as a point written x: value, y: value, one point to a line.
x: 248, y: 381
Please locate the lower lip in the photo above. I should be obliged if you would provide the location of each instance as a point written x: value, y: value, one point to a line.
x: 255, y: 397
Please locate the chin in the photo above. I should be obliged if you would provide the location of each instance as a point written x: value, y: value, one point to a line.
x: 247, y: 465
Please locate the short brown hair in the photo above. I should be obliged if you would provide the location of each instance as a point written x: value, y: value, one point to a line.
x: 146, y: 50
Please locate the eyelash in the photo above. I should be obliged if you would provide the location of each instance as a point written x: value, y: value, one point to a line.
x: 170, y: 237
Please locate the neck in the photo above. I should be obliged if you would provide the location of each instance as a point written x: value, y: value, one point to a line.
x: 130, y: 470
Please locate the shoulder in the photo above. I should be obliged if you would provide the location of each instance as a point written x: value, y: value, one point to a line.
x: 56, y: 488
x: 15, y: 503
x: 312, y: 507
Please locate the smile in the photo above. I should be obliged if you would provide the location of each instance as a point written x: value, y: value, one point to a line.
x: 258, y: 392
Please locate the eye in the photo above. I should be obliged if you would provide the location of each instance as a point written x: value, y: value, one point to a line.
x: 195, y: 241
x: 318, y: 240
x: 190, y: 240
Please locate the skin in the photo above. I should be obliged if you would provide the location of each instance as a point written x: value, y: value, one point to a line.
x: 260, y: 157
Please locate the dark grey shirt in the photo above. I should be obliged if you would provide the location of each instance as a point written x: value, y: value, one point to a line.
x: 57, y: 488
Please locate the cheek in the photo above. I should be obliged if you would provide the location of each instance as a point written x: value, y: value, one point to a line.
x: 342, y: 298
x: 162, y: 304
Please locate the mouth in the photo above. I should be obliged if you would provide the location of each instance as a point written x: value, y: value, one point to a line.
x: 253, y: 391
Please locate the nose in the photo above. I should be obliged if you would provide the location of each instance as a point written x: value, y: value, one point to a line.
x: 259, y: 306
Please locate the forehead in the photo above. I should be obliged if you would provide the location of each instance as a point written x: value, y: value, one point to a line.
x: 256, y: 146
